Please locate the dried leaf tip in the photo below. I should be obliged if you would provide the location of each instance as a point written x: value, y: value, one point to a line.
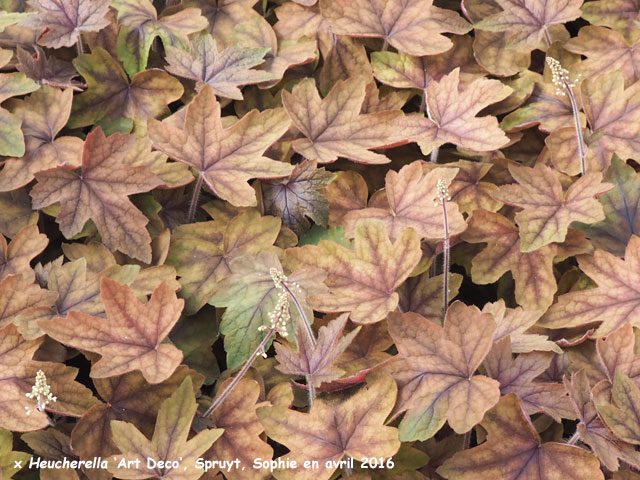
x: 442, y: 192
x: 41, y: 392
x: 560, y: 76
x: 280, y: 315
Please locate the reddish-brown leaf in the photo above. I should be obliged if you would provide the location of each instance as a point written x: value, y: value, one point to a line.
x: 132, y: 336
x: 99, y: 192
x: 15, y: 257
x: 226, y: 158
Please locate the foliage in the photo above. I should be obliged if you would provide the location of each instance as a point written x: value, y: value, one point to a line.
x: 291, y: 239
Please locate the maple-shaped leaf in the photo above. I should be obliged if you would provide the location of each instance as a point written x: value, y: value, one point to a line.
x: 226, y: 158
x: 43, y: 114
x: 128, y: 398
x: 452, y: 115
x: 172, y: 174
x: 532, y: 271
x: 15, y: 257
x: 435, y: 369
x: 242, y: 430
x: 132, y: 336
x: 354, y: 427
x: 622, y: 416
x: 316, y: 361
x: 606, y: 51
x: 18, y: 297
x: 519, y: 376
x: 514, y: 323
x: 615, y: 300
x: 525, y: 22
x: 201, y: 252
x: 412, y: 201
x: 414, y: 27
x: 367, y: 350
x: 250, y: 295
x: 347, y: 192
x: 47, y: 69
x: 18, y: 412
x: 63, y: 22
x: 110, y: 95
x: 140, y: 25
x: 225, y: 70
x: 621, y: 206
x: 334, y: 127
x: 363, y: 280
x: 604, y: 444
x: 52, y: 444
x: 300, y: 196
x: 169, y: 441
x: 515, y: 451
x: 99, y: 192
x: 548, y: 210
x: 612, y: 112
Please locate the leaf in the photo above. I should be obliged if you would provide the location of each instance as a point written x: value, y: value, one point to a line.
x: 131, y: 338
x: 100, y: 193
x: 532, y: 271
x: 18, y: 297
x: 623, y: 417
x: 63, y: 22
x: 110, y: 95
x: 548, y: 210
x: 606, y: 51
x: 453, y: 120
x: 526, y: 22
x: 334, y: 127
x: 604, y: 444
x: 195, y: 336
x: 411, y: 202
x: 514, y: 450
x: 46, y: 70
x: 612, y: 112
x: 226, y: 158
x: 242, y: 429
x: 169, y: 441
x: 128, y: 398
x: 519, y: 376
x: 423, y: 294
x: 315, y: 361
x: 620, y: 206
x: 140, y: 25
x: 413, y: 27
x: 225, y: 70
x: 361, y: 281
x: 43, y: 114
x: 18, y: 378
x: 619, y: 15
x: 15, y: 257
x: 16, y: 212
x: 347, y: 192
x: 11, y: 137
x: 202, y: 252
x: 353, y: 427
x: 435, y: 369
x: 250, y: 295
x: 9, y: 458
x: 613, y: 302
x: 298, y: 197
x: 514, y: 323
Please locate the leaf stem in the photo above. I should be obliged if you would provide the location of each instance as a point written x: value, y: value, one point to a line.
x: 434, y: 154
x: 79, y: 46
x: 193, y: 206
x: 574, y: 438
x: 348, y: 471
x: 236, y: 380
x: 312, y: 391
x: 578, y: 128
x: 466, y: 441
x: 385, y: 45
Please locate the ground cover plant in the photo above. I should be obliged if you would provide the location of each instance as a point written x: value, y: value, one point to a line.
x: 312, y: 239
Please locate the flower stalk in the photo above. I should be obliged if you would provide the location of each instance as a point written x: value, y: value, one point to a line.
x: 195, y: 196
x: 41, y: 393
x: 442, y: 197
x: 564, y: 86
